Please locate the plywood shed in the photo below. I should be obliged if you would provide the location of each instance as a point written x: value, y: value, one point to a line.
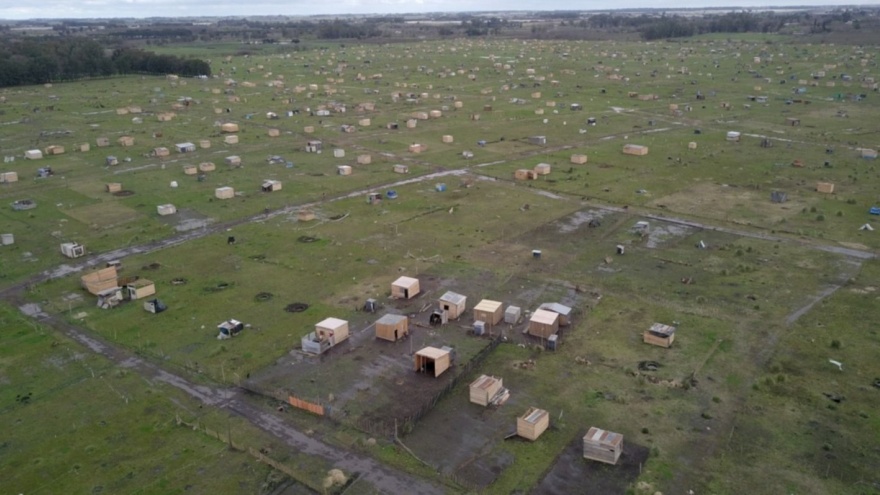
x: 392, y: 327
x: 233, y: 161
x: 412, y: 123
x: 405, y: 288
x: 83, y: 147
x: 338, y: 153
x: 190, y: 169
x: 125, y: 141
x: 543, y: 323
x: 225, y: 192
x: 453, y: 303
x: 447, y: 138
x: 542, y: 169
x: 140, y: 289
x: 99, y: 280
x: 525, y: 174
x: 165, y: 116
x: 73, y: 249
x: 692, y: 145
x: 112, y: 187
x: 207, y: 166
x: 102, y: 142
x: 166, y: 209
x: 8, y: 177
x: 489, y: 311
x: 603, y: 446
x: 332, y: 329
x: 111, y: 161
x: 420, y: 115
x: 401, y: 169
x: 538, y: 140
x: 204, y: 143
x: 579, y: 159
x: 562, y: 310
x: 869, y: 153
x: 484, y: 389
x: 364, y: 159
x: 33, y: 154
x: 435, y: 114
x: 364, y: 122
x: 432, y: 360
x: 635, y: 149
x: 792, y: 121
x: 417, y: 148
x: 160, y: 152
x: 533, y: 423
x: 660, y: 335
x: 122, y: 111
x: 825, y: 187
x: 229, y: 128
x: 230, y: 139
x: 54, y: 149
x: 309, y: 129
x: 343, y: 169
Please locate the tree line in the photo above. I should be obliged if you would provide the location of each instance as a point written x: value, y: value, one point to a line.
x: 40, y: 61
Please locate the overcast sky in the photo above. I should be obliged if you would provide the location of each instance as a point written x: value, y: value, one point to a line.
x: 54, y: 9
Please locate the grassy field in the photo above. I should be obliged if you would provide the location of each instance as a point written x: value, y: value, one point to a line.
x: 745, y: 401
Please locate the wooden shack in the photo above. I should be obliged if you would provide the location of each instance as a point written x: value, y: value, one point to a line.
x: 692, y: 145
x: 328, y: 332
x: 99, y: 280
x: 140, y: 288
x: 432, y: 360
x: 525, y: 174
x: 273, y: 132
x: 538, y: 140
x: 54, y: 150
x: 229, y: 128
x: 603, y: 446
x: 8, y: 177
x: 124, y: 141
x: 102, y: 142
x: 488, y: 311
x: 447, y: 139
x: 543, y: 323
x: 224, y: 192
x: 185, y: 147
x: 343, y: 169
x: 825, y: 187
x: 166, y: 209
x: 230, y: 139
x: 542, y: 169
x: 453, y: 303
x: 562, y: 310
x: 579, y: 159
x: 635, y: 149
x: 190, y: 169
x: 392, y: 327
x: 33, y: 155
x: 417, y: 148
x: 405, y: 288
x: 204, y: 143
x: 484, y: 389
x: 271, y: 185
x: 659, y: 335
x: 160, y: 152
x: 401, y: 169
x: 233, y: 161
x: 533, y: 423
x: 364, y: 159
x: 209, y: 166
x: 113, y: 187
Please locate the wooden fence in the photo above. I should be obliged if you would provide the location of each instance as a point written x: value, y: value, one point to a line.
x: 306, y: 405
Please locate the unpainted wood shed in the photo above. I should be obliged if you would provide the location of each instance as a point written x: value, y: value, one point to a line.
x: 453, y: 303
x: 543, y: 323
x: 432, y: 361
x: 484, y: 389
x: 603, y: 446
x: 659, y: 335
x: 392, y: 327
x: 488, y: 311
x: 405, y: 288
x: 533, y: 423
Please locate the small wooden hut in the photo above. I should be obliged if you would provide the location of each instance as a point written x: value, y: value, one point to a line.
x: 533, y: 423
x: 453, y: 303
x: 405, y: 288
x: 99, y: 280
x: 166, y: 209
x: 825, y: 187
x: 432, y: 360
x: 543, y: 323
x: 635, y: 149
x: 113, y: 187
x: 484, y: 389
x: 542, y: 169
x: 224, y: 192
x: 140, y: 289
x: 488, y: 311
x: 659, y: 335
x: 579, y: 159
x: 603, y: 446
x: 392, y: 327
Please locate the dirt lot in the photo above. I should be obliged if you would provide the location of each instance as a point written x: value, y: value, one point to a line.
x: 573, y: 474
